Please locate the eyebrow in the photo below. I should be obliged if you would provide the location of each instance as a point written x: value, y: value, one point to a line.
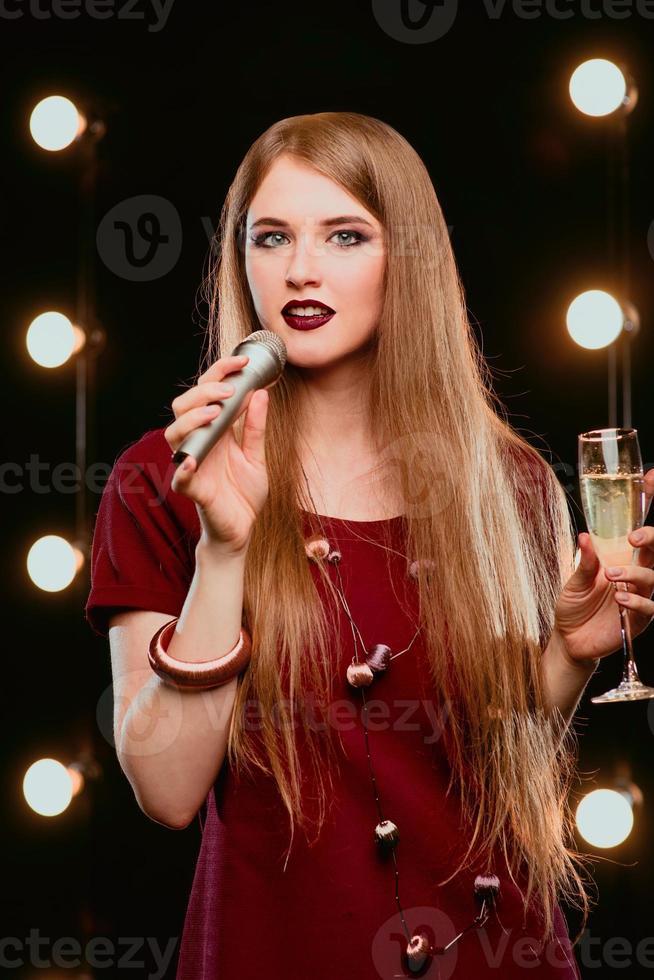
x: 327, y: 223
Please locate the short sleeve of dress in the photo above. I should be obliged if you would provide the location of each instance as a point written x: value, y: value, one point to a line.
x: 143, y: 550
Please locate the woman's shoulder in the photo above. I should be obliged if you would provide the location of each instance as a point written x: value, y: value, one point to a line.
x: 144, y: 536
x: 150, y: 452
x: 151, y: 447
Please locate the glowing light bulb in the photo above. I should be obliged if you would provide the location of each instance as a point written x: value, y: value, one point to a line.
x: 598, y: 87
x: 605, y: 818
x: 55, y: 122
x: 52, y: 563
x: 47, y: 787
x: 594, y: 319
x: 51, y: 339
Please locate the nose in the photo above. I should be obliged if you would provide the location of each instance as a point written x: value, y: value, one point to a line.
x: 304, y: 264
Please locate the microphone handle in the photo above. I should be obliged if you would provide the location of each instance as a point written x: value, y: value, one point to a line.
x: 199, y: 442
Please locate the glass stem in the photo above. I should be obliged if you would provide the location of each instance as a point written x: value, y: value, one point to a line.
x: 629, y: 673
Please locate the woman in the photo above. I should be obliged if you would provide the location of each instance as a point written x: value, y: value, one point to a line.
x: 376, y: 492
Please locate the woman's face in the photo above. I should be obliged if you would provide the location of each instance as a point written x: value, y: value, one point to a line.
x: 304, y: 253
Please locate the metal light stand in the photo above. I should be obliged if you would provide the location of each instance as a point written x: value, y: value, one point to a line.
x: 86, y: 320
x: 618, y: 214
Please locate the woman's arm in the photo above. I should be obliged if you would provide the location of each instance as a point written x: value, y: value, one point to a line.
x: 565, y: 679
x: 172, y: 743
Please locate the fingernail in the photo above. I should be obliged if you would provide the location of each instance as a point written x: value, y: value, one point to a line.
x: 187, y: 464
x: 637, y: 536
x: 614, y: 571
x: 623, y: 596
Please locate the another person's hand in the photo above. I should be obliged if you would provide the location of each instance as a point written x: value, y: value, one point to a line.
x: 230, y: 487
x: 587, y: 615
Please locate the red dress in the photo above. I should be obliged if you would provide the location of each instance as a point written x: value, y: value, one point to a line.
x: 331, y: 913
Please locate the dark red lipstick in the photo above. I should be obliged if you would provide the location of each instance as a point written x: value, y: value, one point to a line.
x: 306, y: 322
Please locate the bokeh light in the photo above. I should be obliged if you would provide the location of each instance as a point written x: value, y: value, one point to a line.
x: 598, y: 87
x: 55, y: 122
x: 594, y: 319
x: 605, y: 818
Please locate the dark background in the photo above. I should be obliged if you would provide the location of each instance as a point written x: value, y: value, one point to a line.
x: 522, y: 179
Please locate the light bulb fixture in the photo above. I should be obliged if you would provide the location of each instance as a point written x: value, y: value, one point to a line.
x: 56, y: 122
x: 594, y: 319
x: 49, y: 785
x: 52, y: 339
x: 599, y: 87
x: 53, y: 563
x: 605, y: 817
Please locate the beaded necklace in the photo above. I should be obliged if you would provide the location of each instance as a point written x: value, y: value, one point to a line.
x: 360, y: 674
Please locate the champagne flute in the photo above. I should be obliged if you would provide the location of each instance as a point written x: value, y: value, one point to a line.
x: 612, y: 488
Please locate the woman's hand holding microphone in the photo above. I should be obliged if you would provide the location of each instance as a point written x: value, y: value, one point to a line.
x: 231, y: 486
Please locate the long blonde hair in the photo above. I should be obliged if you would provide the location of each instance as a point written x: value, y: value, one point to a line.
x: 494, y: 510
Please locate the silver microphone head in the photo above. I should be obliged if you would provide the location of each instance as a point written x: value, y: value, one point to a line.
x: 271, y: 341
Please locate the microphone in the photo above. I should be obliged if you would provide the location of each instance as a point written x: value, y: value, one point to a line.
x: 267, y: 353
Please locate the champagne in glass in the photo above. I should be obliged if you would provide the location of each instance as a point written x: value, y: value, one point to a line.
x: 612, y: 489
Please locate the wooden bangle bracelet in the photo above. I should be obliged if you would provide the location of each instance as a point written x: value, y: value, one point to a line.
x: 202, y: 674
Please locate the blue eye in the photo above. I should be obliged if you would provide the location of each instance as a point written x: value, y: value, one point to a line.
x: 357, y: 236
x: 259, y: 241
